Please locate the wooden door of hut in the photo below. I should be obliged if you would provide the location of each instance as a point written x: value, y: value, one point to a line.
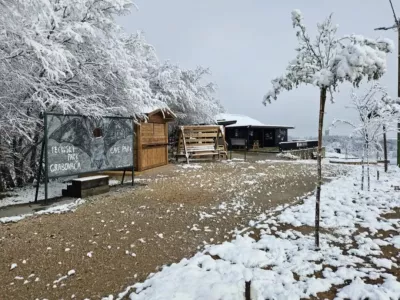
x: 151, y: 147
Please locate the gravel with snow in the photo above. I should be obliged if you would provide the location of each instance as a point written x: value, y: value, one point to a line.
x: 282, y: 264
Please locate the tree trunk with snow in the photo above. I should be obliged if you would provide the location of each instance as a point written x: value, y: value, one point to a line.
x: 362, y: 168
x: 322, y: 101
x: 385, y: 149
x: 326, y: 62
x: 368, y: 174
x: 18, y: 161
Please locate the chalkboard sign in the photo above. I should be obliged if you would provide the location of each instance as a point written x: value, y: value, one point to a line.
x: 77, y: 144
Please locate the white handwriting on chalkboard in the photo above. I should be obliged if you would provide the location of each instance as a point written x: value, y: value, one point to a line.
x: 65, y: 167
x: 120, y: 149
x: 62, y: 149
x: 73, y: 156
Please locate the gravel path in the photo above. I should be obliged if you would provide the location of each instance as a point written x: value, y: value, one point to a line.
x: 116, y: 239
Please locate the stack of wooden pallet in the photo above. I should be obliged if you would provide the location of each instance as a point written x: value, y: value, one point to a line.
x: 87, y: 186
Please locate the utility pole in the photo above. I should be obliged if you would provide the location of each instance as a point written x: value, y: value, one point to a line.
x: 396, y: 26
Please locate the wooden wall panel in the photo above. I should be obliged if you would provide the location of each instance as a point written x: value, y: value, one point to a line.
x: 158, y: 118
x: 147, y: 129
x: 152, y: 140
x: 153, y: 157
x: 152, y: 133
x: 159, y: 129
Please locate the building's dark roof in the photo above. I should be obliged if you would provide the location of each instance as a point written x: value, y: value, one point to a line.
x: 225, y: 123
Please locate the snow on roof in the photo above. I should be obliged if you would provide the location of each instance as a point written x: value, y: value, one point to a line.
x: 149, y: 109
x: 242, y: 120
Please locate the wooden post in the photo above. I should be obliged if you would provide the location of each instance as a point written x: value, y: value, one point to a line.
x: 248, y: 138
x: 247, y: 294
x: 139, y: 154
x: 184, y: 144
x: 133, y: 152
x: 123, y: 177
x: 46, y: 160
x: 166, y: 141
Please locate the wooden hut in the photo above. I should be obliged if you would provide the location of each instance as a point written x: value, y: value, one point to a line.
x: 252, y: 133
x: 151, y: 139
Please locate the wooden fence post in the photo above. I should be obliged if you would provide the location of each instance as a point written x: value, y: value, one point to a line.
x: 247, y: 294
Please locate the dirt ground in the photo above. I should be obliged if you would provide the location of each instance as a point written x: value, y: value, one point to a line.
x: 117, y: 239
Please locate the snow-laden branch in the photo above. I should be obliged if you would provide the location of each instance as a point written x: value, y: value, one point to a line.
x: 329, y: 60
x: 377, y: 113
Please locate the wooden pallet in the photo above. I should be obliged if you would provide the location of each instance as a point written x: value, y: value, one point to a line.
x: 201, y: 141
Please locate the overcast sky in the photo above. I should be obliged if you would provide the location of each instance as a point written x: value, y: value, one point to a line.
x: 247, y: 43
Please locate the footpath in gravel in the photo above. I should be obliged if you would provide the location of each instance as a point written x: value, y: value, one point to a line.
x: 114, y: 240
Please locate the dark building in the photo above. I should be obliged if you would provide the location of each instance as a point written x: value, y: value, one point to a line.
x: 251, y: 132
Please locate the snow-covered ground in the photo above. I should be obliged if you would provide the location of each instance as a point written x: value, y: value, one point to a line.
x: 53, y: 209
x: 27, y: 194
x: 282, y: 263
x: 338, y: 155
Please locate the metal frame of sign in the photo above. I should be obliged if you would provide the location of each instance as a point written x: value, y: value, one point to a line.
x: 44, y: 155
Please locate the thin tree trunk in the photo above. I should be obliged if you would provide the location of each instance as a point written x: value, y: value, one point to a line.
x: 6, y: 175
x: 377, y: 165
x: 33, y: 156
x: 322, y: 101
x: 2, y: 162
x: 368, y: 174
x: 18, y: 161
x: 362, y: 168
x: 385, y: 157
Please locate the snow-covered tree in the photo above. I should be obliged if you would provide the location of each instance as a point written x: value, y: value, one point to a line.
x: 67, y: 56
x: 377, y: 114
x: 70, y: 56
x: 325, y: 62
x: 187, y: 93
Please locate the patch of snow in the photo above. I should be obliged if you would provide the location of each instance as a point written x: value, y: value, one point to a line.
x: 54, y: 209
x: 27, y: 194
x: 396, y: 241
x: 287, y: 155
x: 382, y: 262
x: 190, y: 166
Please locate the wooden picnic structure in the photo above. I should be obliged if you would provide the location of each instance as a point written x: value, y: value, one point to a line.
x: 201, y: 142
x: 151, y: 140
